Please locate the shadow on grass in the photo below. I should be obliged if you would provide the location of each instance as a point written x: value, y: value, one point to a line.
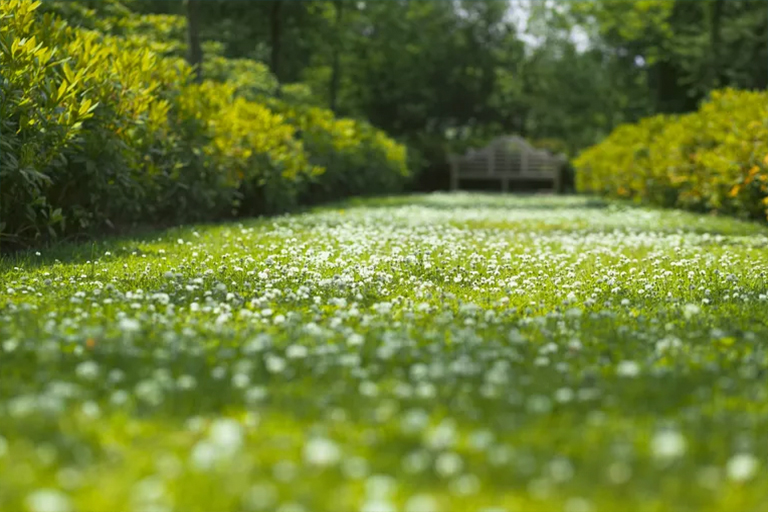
x: 459, y: 201
x: 82, y: 248
x: 86, y: 248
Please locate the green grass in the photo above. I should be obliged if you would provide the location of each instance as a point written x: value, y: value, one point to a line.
x: 423, y: 354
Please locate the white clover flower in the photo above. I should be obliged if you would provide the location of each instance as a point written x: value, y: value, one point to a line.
x: 204, y: 455
x: 87, y: 370
x: 691, y: 310
x: 149, y: 391
x: 448, y: 464
x: 91, y: 409
x: 319, y: 451
x: 422, y: 503
x: 119, y: 397
x: 10, y: 345
x: 378, y: 505
x: 186, y: 382
x: 129, y: 325
x: 48, y: 500
x: 668, y: 344
x: 261, y: 496
x: 577, y: 505
x: 465, y: 485
x: 275, y: 364
x: 628, y: 369
x: 240, y: 380
x: 668, y: 444
x: 296, y: 351
x: 414, y: 421
x: 355, y: 468
x: 742, y: 467
x: 226, y: 435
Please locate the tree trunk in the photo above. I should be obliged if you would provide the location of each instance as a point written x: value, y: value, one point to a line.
x: 335, y: 66
x: 195, y: 50
x: 276, y: 34
x: 718, y: 77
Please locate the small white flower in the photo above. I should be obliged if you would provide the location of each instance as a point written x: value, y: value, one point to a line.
x: 240, y: 380
x: 87, y: 370
x: 378, y: 505
x: 261, y: 496
x: 742, y: 467
x: 255, y: 394
x: 48, y: 500
x: 227, y: 435
x: 448, y: 464
x: 355, y: 340
x: 422, y: 503
x: 296, y: 351
x: 204, y: 455
x: 691, y: 310
x: 186, y: 382
x: 129, y: 325
x: 321, y: 452
x: 628, y: 369
x: 668, y: 444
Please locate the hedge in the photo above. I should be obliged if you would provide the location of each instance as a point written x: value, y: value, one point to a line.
x: 101, y: 125
x: 715, y: 159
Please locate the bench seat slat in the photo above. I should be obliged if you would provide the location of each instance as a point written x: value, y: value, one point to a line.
x: 510, y: 176
x: 506, y: 159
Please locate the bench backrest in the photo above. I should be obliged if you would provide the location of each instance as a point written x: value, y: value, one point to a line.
x: 507, y: 156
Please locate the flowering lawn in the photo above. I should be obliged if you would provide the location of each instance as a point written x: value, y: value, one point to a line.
x: 442, y: 353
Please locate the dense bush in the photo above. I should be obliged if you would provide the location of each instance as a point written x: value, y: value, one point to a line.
x: 80, y: 119
x: 251, y: 80
x: 715, y: 159
x: 101, y: 128
x: 356, y: 157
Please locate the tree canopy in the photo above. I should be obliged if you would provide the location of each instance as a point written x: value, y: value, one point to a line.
x: 440, y: 75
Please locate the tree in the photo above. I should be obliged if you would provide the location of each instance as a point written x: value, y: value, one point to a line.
x: 335, y: 66
x: 195, y: 55
x: 276, y: 34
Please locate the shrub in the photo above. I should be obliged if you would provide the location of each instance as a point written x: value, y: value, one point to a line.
x: 714, y: 159
x: 104, y: 126
x: 250, y: 79
x: 80, y: 117
x: 357, y: 158
x: 349, y: 157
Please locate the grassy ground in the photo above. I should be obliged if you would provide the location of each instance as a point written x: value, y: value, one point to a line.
x: 425, y: 354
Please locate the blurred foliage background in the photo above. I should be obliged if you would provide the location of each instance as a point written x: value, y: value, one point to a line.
x: 142, y: 110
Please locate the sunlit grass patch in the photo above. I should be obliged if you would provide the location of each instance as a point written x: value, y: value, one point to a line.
x: 392, y: 355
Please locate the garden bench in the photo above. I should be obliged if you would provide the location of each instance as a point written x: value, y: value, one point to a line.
x: 508, y: 160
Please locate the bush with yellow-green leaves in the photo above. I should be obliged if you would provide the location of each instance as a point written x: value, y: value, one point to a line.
x: 715, y: 159
x: 356, y: 157
x: 102, y: 125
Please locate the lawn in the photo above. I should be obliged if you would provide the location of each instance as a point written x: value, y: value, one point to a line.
x: 440, y: 353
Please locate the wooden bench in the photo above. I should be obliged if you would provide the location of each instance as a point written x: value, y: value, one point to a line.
x: 509, y: 160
